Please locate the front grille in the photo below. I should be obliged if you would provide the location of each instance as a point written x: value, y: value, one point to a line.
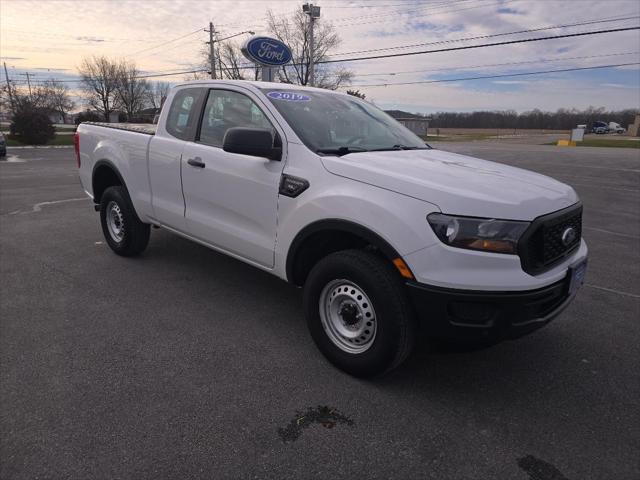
x: 542, y: 246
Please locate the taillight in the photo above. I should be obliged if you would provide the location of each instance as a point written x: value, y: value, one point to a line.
x: 76, y: 146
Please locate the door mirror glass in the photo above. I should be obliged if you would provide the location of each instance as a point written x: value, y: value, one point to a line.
x: 257, y: 142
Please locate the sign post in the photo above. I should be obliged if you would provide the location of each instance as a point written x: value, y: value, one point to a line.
x: 268, y: 74
x: 267, y: 52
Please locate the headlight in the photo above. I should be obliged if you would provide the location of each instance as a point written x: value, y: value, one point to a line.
x: 487, y: 234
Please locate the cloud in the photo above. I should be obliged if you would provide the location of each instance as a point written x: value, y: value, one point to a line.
x: 91, y: 39
x: 105, y: 27
x: 509, y: 11
x: 619, y: 85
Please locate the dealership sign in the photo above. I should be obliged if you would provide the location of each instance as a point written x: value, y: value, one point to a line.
x: 266, y: 51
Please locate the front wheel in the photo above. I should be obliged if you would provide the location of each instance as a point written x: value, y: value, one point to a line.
x: 358, y: 313
x: 122, y: 229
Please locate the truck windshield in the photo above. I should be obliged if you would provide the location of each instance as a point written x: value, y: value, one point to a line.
x: 334, y: 124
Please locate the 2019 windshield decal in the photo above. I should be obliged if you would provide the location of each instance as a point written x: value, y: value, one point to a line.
x: 289, y: 96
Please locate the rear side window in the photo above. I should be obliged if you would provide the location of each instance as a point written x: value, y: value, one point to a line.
x: 226, y: 109
x: 183, y: 114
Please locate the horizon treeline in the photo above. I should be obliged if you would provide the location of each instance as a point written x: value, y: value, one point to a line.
x: 562, y: 119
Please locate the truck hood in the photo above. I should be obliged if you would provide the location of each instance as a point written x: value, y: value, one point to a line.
x: 457, y: 184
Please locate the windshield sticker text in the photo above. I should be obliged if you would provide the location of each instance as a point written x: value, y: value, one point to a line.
x: 289, y: 96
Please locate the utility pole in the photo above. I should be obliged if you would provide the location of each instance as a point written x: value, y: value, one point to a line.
x: 28, y: 82
x: 212, y: 55
x: 6, y: 76
x: 314, y: 13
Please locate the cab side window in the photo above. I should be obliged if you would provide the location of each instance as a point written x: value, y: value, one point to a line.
x: 183, y: 114
x: 226, y: 109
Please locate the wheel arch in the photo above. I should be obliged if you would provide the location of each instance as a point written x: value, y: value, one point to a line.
x: 104, y: 175
x: 323, y: 237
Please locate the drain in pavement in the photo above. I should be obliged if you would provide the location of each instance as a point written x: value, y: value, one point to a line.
x: 326, y: 416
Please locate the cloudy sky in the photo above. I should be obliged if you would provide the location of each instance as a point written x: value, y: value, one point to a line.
x: 49, y: 38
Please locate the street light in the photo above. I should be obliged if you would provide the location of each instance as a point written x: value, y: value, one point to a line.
x: 235, y: 35
x: 314, y: 13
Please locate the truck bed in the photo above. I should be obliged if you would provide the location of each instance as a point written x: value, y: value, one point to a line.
x: 146, y: 128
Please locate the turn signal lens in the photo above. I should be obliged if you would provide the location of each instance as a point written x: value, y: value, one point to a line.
x: 403, y: 268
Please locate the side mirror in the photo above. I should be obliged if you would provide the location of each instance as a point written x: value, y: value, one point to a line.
x: 257, y: 142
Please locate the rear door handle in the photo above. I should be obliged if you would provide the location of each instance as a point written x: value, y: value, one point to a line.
x: 196, y: 162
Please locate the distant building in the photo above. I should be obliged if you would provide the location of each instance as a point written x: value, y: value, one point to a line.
x: 634, y: 128
x: 416, y: 123
x: 56, y: 117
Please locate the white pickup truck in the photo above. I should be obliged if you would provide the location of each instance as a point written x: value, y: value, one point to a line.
x: 386, y: 235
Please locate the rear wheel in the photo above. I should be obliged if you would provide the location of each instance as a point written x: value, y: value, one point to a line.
x: 122, y: 229
x: 358, y: 313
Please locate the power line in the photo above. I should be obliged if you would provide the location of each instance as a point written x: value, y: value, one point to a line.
x: 470, y: 67
x: 466, y: 47
x: 389, y: 15
x: 164, y: 43
x: 482, y: 77
x: 482, y: 45
x: 173, y: 47
x: 418, y: 8
x: 387, y: 19
x: 510, y: 42
x: 493, y: 35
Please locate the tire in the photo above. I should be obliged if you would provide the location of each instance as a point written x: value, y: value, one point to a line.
x: 121, y: 227
x: 372, y: 304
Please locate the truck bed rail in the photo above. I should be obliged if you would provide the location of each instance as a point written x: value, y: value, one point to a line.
x: 145, y: 128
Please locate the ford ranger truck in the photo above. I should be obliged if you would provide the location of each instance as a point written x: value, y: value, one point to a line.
x: 387, y: 236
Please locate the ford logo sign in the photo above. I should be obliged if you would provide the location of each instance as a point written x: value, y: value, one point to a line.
x: 266, y: 51
x: 568, y: 236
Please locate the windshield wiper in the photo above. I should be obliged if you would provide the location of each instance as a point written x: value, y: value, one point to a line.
x: 399, y: 147
x: 341, y: 150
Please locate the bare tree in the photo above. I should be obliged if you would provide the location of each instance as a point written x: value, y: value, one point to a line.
x: 229, y: 60
x: 294, y: 31
x: 356, y: 93
x: 131, y: 90
x: 157, y: 93
x: 6, y: 100
x: 229, y: 63
x: 100, y: 81
x: 36, y: 98
x: 57, y: 98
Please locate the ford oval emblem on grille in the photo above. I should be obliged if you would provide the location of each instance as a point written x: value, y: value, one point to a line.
x: 568, y: 236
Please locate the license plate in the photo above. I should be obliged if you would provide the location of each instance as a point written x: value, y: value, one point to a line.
x: 577, y: 273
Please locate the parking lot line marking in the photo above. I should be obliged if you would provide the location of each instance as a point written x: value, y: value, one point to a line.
x: 611, y: 233
x: 38, y: 206
x: 612, y: 290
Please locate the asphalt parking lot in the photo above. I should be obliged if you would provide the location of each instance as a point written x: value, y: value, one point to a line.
x: 183, y: 363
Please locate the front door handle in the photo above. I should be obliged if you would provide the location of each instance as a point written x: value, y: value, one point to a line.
x: 196, y: 162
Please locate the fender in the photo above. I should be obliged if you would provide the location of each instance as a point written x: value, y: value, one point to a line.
x: 112, y: 167
x: 339, y: 225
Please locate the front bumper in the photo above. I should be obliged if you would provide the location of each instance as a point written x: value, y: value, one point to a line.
x: 470, y: 315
